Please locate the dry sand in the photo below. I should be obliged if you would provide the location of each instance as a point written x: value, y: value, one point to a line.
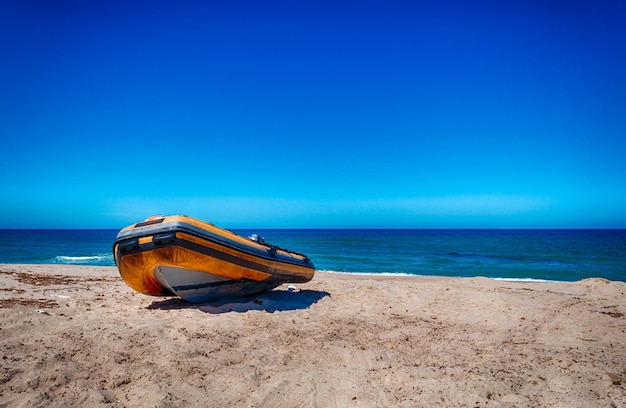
x: 78, y: 336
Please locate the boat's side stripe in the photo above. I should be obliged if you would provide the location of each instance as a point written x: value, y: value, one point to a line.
x: 203, y: 249
x: 178, y: 226
x: 226, y: 257
x: 222, y: 240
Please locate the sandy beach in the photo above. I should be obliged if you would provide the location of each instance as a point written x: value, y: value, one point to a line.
x: 78, y: 336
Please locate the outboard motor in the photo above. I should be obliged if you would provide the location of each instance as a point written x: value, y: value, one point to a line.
x: 257, y: 238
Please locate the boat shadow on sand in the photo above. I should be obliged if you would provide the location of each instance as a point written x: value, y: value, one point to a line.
x: 272, y: 301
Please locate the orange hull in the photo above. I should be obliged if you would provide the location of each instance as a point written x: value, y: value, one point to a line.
x: 198, y: 261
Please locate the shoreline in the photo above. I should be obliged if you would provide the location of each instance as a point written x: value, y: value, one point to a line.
x: 401, y: 274
x: 355, y: 274
x: 76, y: 335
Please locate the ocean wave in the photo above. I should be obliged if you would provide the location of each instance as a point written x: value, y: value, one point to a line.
x: 530, y: 280
x: 527, y: 280
x: 369, y: 273
x: 98, y: 259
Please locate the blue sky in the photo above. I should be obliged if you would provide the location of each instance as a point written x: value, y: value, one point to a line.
x: 314, y: 114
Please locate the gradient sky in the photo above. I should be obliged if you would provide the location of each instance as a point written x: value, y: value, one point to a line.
x: 417, y: 114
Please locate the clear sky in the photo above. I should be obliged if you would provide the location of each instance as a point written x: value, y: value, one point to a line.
x: 416, y: 114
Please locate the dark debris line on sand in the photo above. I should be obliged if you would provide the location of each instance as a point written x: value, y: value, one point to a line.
x: 41, y: 280
x: 44, y: 280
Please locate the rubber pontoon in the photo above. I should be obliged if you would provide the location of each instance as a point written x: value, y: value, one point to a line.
x: 190, y: 258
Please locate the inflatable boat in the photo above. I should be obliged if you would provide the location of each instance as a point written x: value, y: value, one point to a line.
x: 190, y: 258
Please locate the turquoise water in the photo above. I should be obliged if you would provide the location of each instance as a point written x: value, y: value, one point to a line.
x: 564, y: 255
x: 81, y: 246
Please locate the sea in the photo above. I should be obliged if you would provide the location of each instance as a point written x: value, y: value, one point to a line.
x: 521, y: 254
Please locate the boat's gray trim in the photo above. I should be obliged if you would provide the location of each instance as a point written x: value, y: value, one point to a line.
x: 233, y: 289
x: 205, y: 285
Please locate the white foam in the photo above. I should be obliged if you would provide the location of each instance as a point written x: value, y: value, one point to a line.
x: 82, y: 259
x: 525, y: 280
x: 370, y: 273
x: 531, y: 280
